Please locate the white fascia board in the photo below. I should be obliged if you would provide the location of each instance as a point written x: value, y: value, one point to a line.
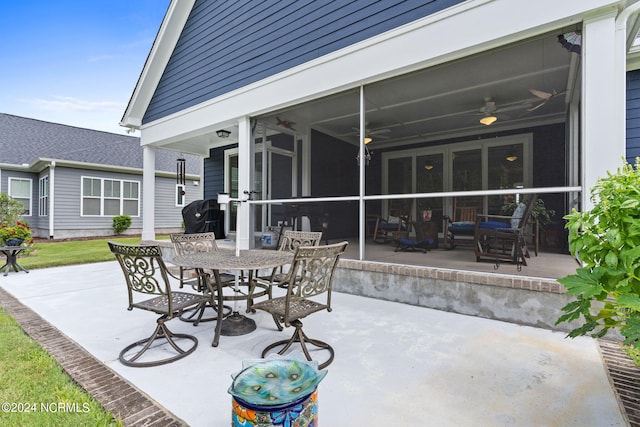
x: 161, y: 51
x: 41, y: 163
x: 470, y: 27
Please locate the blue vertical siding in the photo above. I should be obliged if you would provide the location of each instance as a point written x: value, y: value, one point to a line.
x: 228, y: 44
x: 633, y: 115
x: 214, y: 173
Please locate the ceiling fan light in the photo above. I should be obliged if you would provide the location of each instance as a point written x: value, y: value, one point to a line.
x: 511, y: 158
x: 488, y: 120
x: 367, y: 140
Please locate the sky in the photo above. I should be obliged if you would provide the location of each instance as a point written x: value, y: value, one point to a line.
x: 74, y: 62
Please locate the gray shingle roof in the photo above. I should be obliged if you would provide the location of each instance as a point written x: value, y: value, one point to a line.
x: 24, y: 140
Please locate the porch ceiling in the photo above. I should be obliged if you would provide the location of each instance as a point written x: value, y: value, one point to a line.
x: 448, y: 100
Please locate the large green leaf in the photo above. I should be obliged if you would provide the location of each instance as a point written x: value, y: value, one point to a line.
x: 631, y: 301
x: 577, y: 285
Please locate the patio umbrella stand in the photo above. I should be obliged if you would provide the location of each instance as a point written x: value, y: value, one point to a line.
x: 235, y: 323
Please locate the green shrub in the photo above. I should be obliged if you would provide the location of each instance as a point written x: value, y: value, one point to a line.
x: 121, y: 223
x: 606, y: 240
x: 10, y: 210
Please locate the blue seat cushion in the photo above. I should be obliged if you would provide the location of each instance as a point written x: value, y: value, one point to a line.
x: 388, y: 224
x: 462, y: 226
x: 409, y: 242
x: 492, y: 225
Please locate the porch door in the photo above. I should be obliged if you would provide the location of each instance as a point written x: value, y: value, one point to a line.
x: 430, y: 179
x: 281, y: 182
x: 400, y: 181
x: 276, y: 181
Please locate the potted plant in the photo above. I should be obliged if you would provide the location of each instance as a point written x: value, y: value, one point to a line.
x: 606, y: 240
x: 539, y: 211
x: 14, y: 235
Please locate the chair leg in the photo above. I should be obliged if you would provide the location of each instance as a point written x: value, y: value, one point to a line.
x: 300, y: 337
x: 161, y: 333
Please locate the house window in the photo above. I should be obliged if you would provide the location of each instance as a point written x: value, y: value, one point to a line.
x: 91, y: 196
x: 20, y: 190
x: 110, y: 197
x: 180, y: 193
x: 43, y: 198
x: 130, y: 198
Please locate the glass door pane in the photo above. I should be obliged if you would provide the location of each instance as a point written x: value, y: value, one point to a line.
x: 280, y: 185
x: 467, y: 175
x: 505, y: 171
x: 232, y: 179
x: 399, y: 181
x: 257, y: 195
x: 430, y: 179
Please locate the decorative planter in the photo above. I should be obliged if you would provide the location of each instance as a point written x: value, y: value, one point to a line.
x: 276, y: 392
x: 302, y: 412
x: 13, y: 242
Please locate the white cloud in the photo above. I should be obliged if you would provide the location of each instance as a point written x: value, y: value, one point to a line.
x: 67, y: 103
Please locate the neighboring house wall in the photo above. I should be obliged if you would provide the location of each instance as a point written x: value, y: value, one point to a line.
x: 253, y: 40
x: 633, y: 115
x: 167, y: 214
x: 68, y: 219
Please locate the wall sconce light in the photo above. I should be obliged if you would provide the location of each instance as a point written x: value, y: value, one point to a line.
x: 511, y: 158
x: 223, y: 133
x: 488, y: 119
x: 428, y: 167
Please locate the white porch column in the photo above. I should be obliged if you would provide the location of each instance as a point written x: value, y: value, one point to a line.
x: 148, y: 192
x: 52, y: 185
x: 244, y: 223
x: 603, y: 109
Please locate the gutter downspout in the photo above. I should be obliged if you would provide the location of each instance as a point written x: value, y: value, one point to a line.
x: 52, y: 170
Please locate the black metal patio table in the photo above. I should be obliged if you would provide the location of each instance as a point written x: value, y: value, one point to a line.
x: 248, y: 260
x: 11, y: 254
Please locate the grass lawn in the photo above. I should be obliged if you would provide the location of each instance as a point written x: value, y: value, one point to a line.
x: 35, y: 391
x: 33, y: 386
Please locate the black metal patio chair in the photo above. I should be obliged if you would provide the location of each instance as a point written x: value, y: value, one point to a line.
x: 146, y: 275
x: 309, y: 291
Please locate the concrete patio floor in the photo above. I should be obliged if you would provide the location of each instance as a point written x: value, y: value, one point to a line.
x: 395, y: 365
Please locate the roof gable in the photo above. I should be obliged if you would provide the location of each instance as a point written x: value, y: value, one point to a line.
x: 24, y: 140
x: 225, y: 45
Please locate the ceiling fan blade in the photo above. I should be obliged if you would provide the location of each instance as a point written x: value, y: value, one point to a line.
x: 542, y: 95
x: 379, y: 131
x: 537, y: 106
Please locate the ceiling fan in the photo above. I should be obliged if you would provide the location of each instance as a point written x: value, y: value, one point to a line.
x: 370, y: 134
x: 490, y: 110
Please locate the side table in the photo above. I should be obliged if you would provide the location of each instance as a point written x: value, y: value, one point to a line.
x: 11, y: 254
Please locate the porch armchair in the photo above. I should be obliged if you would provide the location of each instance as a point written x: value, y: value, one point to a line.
x: 461, y: 224
x: 499, y: 237
x: 397, y: 224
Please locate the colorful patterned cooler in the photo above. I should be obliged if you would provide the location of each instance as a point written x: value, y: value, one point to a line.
x: 276, y: 392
